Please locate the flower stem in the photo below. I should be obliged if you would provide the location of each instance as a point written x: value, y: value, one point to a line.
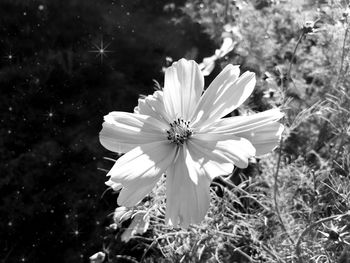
x: 293, y: 56
x: 154, y: 242
x: 275, y: 188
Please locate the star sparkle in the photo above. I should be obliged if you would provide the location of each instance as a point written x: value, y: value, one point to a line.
x: 101, y: 50
x: 76, y: 232
x: 49, y: 114
x: 9, y: 56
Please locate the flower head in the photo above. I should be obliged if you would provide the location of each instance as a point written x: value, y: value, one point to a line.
x: 181, y: 132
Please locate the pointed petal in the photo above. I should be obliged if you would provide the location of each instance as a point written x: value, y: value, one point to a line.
x: 264, y: 138
x: 183, y: 86
x: 153, y: 105
x: 187, y: 202
x: 226, y: 78
x: 123, y: 131
x: 113, y: 185
x: 143, y: 163
x: 121, y: 214
x: 225, y: 94
x: 239, y: 124
x: 224, y: 149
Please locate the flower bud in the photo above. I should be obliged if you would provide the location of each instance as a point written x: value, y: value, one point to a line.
x: 98, y: 257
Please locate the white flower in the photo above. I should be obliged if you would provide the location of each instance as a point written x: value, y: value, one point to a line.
x: 98, y: 257
x: 181, y: 132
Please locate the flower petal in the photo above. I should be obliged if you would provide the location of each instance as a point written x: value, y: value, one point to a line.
x: 123, y: 131
x: 213, y: 165
x: 224, y: 149
x: 143, y: 163
x: 239, y: 124
x: 113, y: 185
x: 140, y: 169
x: 153, y: 105
x: 187, y: 202
x: 264, y: 138
x: 261, y: 129
x: 121, y: 214
x: 183, y: 86
x: 225, y: 93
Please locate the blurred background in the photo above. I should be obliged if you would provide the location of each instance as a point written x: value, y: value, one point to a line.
x: 64, y: 64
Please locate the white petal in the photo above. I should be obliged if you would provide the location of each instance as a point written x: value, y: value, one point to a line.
x: 224, y: 149
x: 207, y: 65
x: 143, y: 163
x: 214, y: 169
x: 183, y: 86
x: 239, y: 124
x: 113, y: 185
x: 226, y: 78
x: 225, y: 94
x: 121, y: 214
x: 140, y: 169
x: 123, y: 131
x: 153, y: 105
x: 214, y: 165
x: 264, y: 138
x: 187, y: 202
x: 189, y: 162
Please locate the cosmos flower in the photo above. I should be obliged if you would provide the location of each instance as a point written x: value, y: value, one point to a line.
x: 181, y: 132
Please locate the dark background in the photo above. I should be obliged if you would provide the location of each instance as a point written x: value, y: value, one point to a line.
x: 55, y: 89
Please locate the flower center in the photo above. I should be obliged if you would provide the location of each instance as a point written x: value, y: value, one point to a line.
x: 179, y: 131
